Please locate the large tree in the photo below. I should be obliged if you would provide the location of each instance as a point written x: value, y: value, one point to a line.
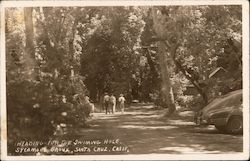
x: 193, y: 37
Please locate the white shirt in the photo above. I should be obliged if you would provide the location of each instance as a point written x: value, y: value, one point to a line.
x: 121, y: 99
x: 113, y: 99
x: 106, y: 98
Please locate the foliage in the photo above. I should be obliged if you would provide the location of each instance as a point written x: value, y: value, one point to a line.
x: 35, y: 103
x: 110, y: 40
x: 197, y: 38
x: 146, y: 53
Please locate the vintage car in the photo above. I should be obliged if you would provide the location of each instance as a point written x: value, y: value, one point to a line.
x: 225, y: 112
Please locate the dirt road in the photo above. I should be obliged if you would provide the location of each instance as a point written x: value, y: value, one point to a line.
x: 143, y: 130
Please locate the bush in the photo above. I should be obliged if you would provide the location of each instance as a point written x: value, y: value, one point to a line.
x: 35, y: 108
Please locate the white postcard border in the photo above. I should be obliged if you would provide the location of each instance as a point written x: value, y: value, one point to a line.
x: 245, y: 49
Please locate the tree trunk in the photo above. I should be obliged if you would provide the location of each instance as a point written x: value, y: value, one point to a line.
x: 237, y: 50
x: 151, y: 64
x: 71, y: 43
x: 29, y: 43
x: 166, y: 88
x: 29, y: 31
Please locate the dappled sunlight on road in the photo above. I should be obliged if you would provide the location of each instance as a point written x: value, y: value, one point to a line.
x: 103, y: 116
x: 180, y: 122
x: 144, y: 123
x: 186, y: 150
x: 145, y: 131
x: 146, y: 116
x: 139, y: 107
x: 146, y: 127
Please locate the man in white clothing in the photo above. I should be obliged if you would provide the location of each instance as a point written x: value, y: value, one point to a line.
x: 113, y: 103
x: 106, y: 102
x: 121, y: 100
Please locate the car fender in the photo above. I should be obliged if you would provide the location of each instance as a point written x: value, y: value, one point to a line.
x: 235, y: 112
x: 224, y: 116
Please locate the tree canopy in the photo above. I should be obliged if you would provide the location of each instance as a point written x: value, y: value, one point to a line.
x: 148, y: 53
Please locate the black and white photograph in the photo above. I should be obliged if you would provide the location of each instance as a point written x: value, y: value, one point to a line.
x: 121, y: 80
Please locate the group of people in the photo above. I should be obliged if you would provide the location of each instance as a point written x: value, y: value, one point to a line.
x: 109, y: 103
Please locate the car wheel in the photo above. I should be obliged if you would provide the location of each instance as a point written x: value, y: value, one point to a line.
x: 221, y: 128
x: 235, y: 125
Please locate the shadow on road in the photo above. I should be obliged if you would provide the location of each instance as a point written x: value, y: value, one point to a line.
x: 145, y: 131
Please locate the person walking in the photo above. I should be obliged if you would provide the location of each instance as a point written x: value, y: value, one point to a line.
x: 121, y: 100
x: 106, y: 102
x: 90, y: 107
x: 113, y: 103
